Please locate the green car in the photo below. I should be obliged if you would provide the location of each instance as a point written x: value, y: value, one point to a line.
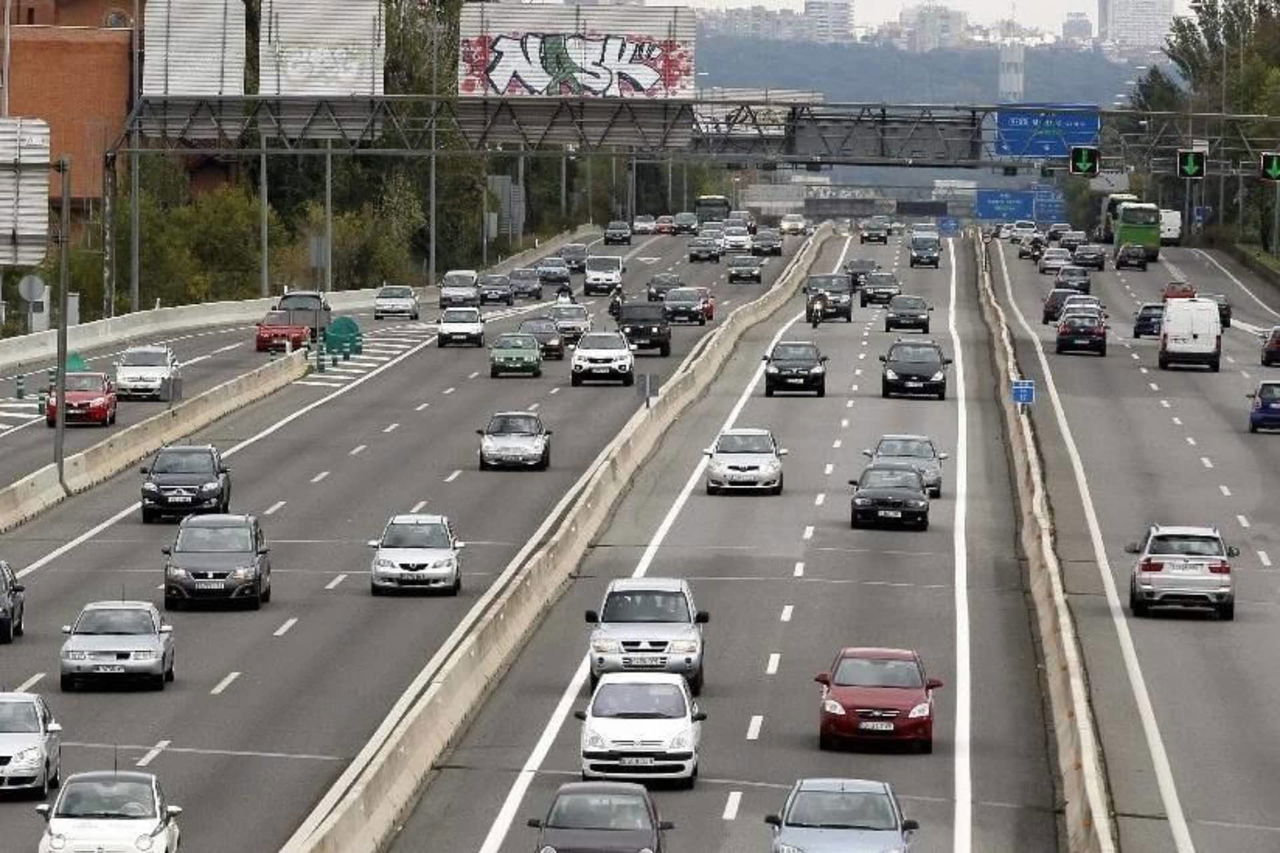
x: 515, y: 353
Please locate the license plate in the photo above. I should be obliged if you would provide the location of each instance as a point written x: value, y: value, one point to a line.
x: 915, y: 384
x: 647, y: 660
x: 106, y: 668
x: 640, y: 342
x: 1182, y: 567
x: 1082, y: 340
x: 458, y: 336
x: 795, y: 381
x: 635, y: 761
x: 876, y: 726
x: 1273, y: 405
x: 890, y: 513
x: 599, y: 370
x: 209, y: 585
x: 180, y: 499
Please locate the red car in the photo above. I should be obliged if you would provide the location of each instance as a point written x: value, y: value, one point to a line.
x: 1178, y: 290
x: 91, y: 398
x: 278, y: 331
x: 1271, y: 347
x: 708, y: 303
x: 666, y: 225
x: 876, y: 695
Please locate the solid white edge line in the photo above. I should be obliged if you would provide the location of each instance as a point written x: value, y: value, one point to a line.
x: 1238, y: 283
x: 1129, y: 654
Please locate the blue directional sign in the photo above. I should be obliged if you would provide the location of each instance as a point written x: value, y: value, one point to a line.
x: 1024, y: 391
x: 1045, y: 130
x: 948, y: 226
x: 1005, y: 205
x: 1050, y: 203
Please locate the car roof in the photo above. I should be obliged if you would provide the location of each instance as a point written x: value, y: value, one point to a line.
x: 635, y: 677
x: 1183, y: 530
x: 647, y: 584
x: 902, y: 436
x: 866, y: 786
x: 418, y: 518
x: 514, y: 414
x: 746, y: 431
x: 148, y: 348
x: 119, y: 605
x: 217, y: 520
x: 878, y: 653
x: 14, y: 696
x: 603, y: 788
x: 112, y: 775
x: 187, y: 447
x: 796, y: 344
x: 890, y: 465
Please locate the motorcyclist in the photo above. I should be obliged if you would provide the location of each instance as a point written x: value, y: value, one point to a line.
x: 817, y: 307
x: 615, y: 304
x: 564, y: 293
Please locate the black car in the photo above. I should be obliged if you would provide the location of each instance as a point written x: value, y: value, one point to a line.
x: 684, y: 304
x: 554, y: 270
x: 658, y: 286
x: 795, y: 366
x: 602, y: 817
x: 1078, y: 332
x: 645, y: 326
x: 1224, y: 308
x: 878, y: 288
x: 890, y: 493
x: 838, y: 290
x: 1148, y: 319
x: 184, y: 479
x: 1090, y: 255
x: 875, y: 231
x: 575, y: 256
x: 704, y: 249
x: 550, y: 341
x: 617, y: 232
x: 914, y: 367
x: 907, y: 312
x: 858, y: 269
x: 13, y: 610
x: 745, y: 268
x: 926, y: 251
x: 686, y: 223
x: 526, y: 283
x: 1056, y: 230
x: 496, y: 288
x: 1032, y: 247
x: 1075, y: 277
x: 1053, y: 304
x: 766, y: 242
x: 1130, y: 256
x: 217, y: 558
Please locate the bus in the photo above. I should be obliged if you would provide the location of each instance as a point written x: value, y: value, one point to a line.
x: 1138, y: 224
x: 711, y: 208
x: 1109, y: 204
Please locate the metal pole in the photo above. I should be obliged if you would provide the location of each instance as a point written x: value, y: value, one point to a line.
x: 108, y: 238
x: 564, y: 185
x: 591, y: 217
x: 135, y: 165
x: 1275, y: 220
x: 684, y: 185
x: 631, y: 192
x: 671, y: 170
x: 613, y: 186
x: 8, y: 13
x: 520, y: 183
x: 1239, y: 203
x: 435, y: 106
x: 64, y: 243
x: 264, y: 209
x: 328, y: 215
x: 484, y: 217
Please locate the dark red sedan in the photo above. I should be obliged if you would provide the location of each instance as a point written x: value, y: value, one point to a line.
x: 91, y: 398
x: 278, y: 331
x: 666, y: 225
x: 876, y: 695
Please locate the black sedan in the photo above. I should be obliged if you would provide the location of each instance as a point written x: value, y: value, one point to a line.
x: 611, y: 817
x: 1052, y: 309
x: 914, y: 367
x: 704, y: 249
x: 1224, y: 308
x: 658, y: 286
x: 766, y: 242
x: 1090, y: 255
x: 548, y: 334
x: 858, y: 269
x: 554, y: 270
x: 575, y: 255
x: 1081, y: 332
x: 496, y: 288
x: 907, y: 312
x: 745, y: 267
x: 1148, y: 319
x: 889, y: 493
x: 684, y: 305
x: 878, y: 288
x: 837, y: 290
x: 795, y: 366
x: 1130, y: 256
x: 526, y: 283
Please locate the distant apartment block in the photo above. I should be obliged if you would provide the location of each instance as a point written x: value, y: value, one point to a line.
x: 933, y: 27
x: 1134, y: 23
x: 1077, y: 27
x: 829, y: 20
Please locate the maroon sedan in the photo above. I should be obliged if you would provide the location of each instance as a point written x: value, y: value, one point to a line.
x: 91, y: 398
x: 876, y: 695
x: 1271, y: 347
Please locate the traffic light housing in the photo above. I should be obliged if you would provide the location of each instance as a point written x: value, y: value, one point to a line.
x: 1191, y: 164
x: 1270, y: 166
x: 1085, y: 160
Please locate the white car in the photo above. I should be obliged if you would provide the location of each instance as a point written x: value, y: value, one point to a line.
x: 745, y: 458
x: 737, y: 239
x: 603, y: 356
x: 1190, y: 333
x: 460, y: 326
x: 149, y: 371
x: 641, y: 725
x: 644, y: 224
x: 395, y: 300
x: 1053, y: 260
x: 110, y: 810
x: 604, y: 273
x: 31, y: 740
x: 792, y: 223
x: 1023, y: 229
x: 416, y: 551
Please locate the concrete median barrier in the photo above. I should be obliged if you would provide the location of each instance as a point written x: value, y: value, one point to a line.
x: 29, y: 496
x: 364, y: 808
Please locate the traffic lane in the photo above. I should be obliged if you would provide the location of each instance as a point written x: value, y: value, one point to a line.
x: 1252, y: 299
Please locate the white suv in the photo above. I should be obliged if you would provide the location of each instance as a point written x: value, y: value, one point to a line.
x: 641, y: 725
x: 603, y: 355
x: 460, y: 326
x: 1182, y: 567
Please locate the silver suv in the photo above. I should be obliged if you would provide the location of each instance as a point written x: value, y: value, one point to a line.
x: 648, y: 625
x: 1182, y: 567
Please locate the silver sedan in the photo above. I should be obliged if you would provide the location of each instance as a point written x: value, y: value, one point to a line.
x: 745, y: 458
x: 113, y: 640
x: 31, y: 740
x: 515, y: 440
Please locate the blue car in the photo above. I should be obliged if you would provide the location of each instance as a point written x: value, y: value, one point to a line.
x: 1148, y: 319
x: 1265, y: 413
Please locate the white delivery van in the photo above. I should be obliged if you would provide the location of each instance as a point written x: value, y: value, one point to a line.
x: 1190, y: 333
x: 604, y: 273
x: 1170, y: 227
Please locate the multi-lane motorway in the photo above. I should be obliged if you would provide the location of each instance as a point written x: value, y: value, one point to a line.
x: 787, y: 583
x: 268, y: 706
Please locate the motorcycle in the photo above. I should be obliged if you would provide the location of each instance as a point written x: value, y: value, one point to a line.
x: 817, y: 307
x: 615, y: 304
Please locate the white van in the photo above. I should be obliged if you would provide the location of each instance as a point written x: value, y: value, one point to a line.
x: 1170, y: 227
x: 604, y: 273
x: 1191, y: 333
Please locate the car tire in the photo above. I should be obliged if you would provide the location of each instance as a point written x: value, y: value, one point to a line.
x: 926, y: 746
x: 1163, y: 364
x: 822, y: 390
x: 884, y: 390
x: 935, y: 492
x: 20, y: 627
x: 50, y: 424
x: 1227, y: 611
x: 712, y: 490
x: 926, y: 328
x: 255, y: 603
x: 862, y: 303
x: 159, y: 682
x: 1057, y: 349
x: 148, y: 516
x: 826, y: 743
x: 942, y: 395
x: 545, y: 462
x: 777, y: 490
x: 768, y: 390
x: 702, y: 321
x: 887, y: 328
x: 440, y: 343
x: 169, y: 674
x: 266, y: 595
x: 853, y: 520
x: 457, y: 585
x: 923, y: 525
x: 493, y: 373
x: 67, y: 684
x: 1253, y: 427
x: 665, y: 350
x: 6, y: 632
x: 1215, y: 366
x: 1137, y: 606
x: 1103, y: 352
x: 629, y: 380
x: 55, y: 781
x: 537, y: 374
x: 172, y: 603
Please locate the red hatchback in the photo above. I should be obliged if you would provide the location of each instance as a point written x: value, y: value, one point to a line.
x: 666, y: 225
x: 1271, y: 347
x: 278, y: 331
x: 876, y: 695
x: 91, y: 398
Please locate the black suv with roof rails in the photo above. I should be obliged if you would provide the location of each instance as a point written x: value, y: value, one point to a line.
x: 914, y: 366
x: 645, y: 326
x: 858, y: 269
x: 184, y: 479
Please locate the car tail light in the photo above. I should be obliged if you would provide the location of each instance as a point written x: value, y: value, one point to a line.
x: 1220, y: 567
x: 1062, y: 328
x: 1150, y: 565
x: 1257, y: 403
x: 1218, y: 343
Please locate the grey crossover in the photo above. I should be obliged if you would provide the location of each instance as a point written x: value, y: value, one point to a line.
x: 841, y: 816
x: 648, y: 625
x: 218, y: 558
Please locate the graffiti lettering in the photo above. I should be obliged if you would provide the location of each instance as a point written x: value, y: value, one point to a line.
x: 560, y: 64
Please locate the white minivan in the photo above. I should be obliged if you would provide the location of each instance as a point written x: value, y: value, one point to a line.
x: 604, y: 273
x: 1191, y: 333
x: 1170, y: 227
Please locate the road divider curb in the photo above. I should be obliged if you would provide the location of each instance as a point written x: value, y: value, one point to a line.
x: 363, y: 810
x: 1082, y: 782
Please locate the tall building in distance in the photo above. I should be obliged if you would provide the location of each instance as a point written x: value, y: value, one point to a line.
x: 1012, y: 71
x: 829, y: 20
x: 1077, y: 27
x: 1134, y: 23
x: 933, y: 27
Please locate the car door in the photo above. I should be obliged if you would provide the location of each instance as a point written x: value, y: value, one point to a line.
x: 166, y: 637
x: 262, y: 554
x: 52, y: 735
x: 171, y: 833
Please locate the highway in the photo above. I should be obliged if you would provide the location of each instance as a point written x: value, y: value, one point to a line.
x: 787, y: 583
x: 268, y: 706
x: 1182, y: 699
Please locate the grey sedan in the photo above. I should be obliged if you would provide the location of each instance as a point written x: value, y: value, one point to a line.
x: 31, y: 743
x: 113, y: 640
x: 841, y: 816
x: 515, y: 439
x: 916, y: 450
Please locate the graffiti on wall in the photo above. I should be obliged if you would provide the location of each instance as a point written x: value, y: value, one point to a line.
x: 575, y: 64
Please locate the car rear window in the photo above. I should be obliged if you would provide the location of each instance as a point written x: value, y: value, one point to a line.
x: 1187, y: 545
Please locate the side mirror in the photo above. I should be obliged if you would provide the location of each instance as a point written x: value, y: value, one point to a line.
x: 224, y: 470
x: 459, y: 546
x: 944, y: 456
x: 709, y: 451
x: 53, y: 728
x: 698, y: 717
x: 166, y: 629
x: 550, y: 432
x: 764, y: 358
x: 1132, y: 548
x: 666, y: 824
x: 581, y: 715
x: 930, y: 308
x: 264, y: 551
x: 144, y: 470
x: 66, y: 629
x: 853, y: 482
x: 592, y: 617
x: 825, y: 358
x: 883, y: 358
x: 1250, y: 396
x: 782, y: 451
x: 933, y: 684
x: 910, y: 825
x: 946, y: 361
x: 632, y: 347
x: 702, y: 617
x: 823, y: 678
x: 19, y: 587
x: 534, y: 822
x: 479, y: 432
x: 773, y: 820
x: 43, y: 810
x: 866, y: 451
x: 173, y: 811
x: 1233, y: 551
x: 166, y: 549
x: 372, y: 543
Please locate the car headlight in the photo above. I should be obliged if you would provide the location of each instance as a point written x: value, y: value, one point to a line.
x: 555, y: 342
x: 383, y: 564
x: 682, y: 741
x: 938, y: 377
x: 831, y: 706
x: 57, y: 841
x: 818, y: 368
x: 862, y: 501
x: 684, y: 647
x: 98, y: 401
x: 592, y: 739
x: 150, y: 487
x: 921, y: 710
x: 653, y: 329
x: 606, y: 647
x: 29, y: 756
x: 211, y: 486
x: 73, y: 655
x: 242, y: 573
x: 889, y: 373
x: 144, y: 842
x: 918, y: 504
x: 175, y: 571
x: 446, y: 563
x: 771, y: 369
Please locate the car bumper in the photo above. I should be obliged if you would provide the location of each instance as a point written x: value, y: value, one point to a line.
x: 925, y: 261
x: 695, y: 315
x: 915, y: 386
x: 268, y: 344
x: 504, y: 367
x: 1081, y: 344
x: 898, y: 322
x: 21, y: 778
x: 1174, y: 357
x: 849, y: 727
x: 193, y: 589
x: 511, y: 460
x: 460, y: 337
x: 1160, y: 592
x: 496, y: 297
x: 599, y: 286
x: 162, y: 504
x: 686, y: 665
x: 398, y: 310
x: 425, y: 579
x: 730, y: 481
x: 602, y: 371
x: 81, y: 416
x: 107, y: 670
x: 871, y: 297
x: 1264, y: 420
x: 607, y: 764
x: 703, y: 256
x: 905, y: 517
x: 140, y: 390
x: 750, y: 276
x: 459, y: 301
x: 801, y: 382
x: 874, y: 238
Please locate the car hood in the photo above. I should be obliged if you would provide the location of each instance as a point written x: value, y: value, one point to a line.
x: 392, y: 300
x: 600, y: 353
x: 458, y: 289
x: 518, y: 353
x: 794, y: 364
x: 111, y: 642
x: 646, y: 631
x: 211, y: 561
x: 597, y: 840
x: 183, y: 479
x: 121, y: 832
x: 614, y: 728
x: 760, y: 459
x: 514, y: 442
x: 909, y: 312
x: 882, y: 493
x: 841, y: 840
x: 148, y: 372
x: 413, y: 555
x: 466, y: 328
x: 902, y: 698
x: 877, y: 286
x: 11, y: 743
x: 914, y: 368
x: 495, y: 288
x: 684, y: 303
x: 84, y: 396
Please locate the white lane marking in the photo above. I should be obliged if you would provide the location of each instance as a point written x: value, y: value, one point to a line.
x: 808, y: 532
x: 828, y: 468
x: 848, y: 404
x: 1211, y: 259
x: 30, y: 682
x: 1206, y: 461
x: 554, y: 391
x: 1226, y: 493
x: 421, y: 406
x: 209, y: 355
x: 1164, y: 404
x: 333, y: 584
x: 318, y: 477
x: 391, y: 428
x: 448, y: 390
x: 754, y: 726
x: 501, y: 825
x: 1133, y: 667
x: 836, y: 444
x: 284, y: 629
x: 787, y: 610
x: 418, y: 507
x: 153, y: 753
x: 275, y: 507
x: 1262, y: 558
x: 771, y: 667
x: 1154, y: 386
x: 452, y: 476
x: 1244, y: 522
x: 357, y: 450
x: 314, y: 384
x: 1177, y: 420
x: 857, y: 371
x: 1143, y: 371
x: 1191, y: 441
x: 861, y: 356
x: 798, y: 571
x: 533, y: 407
x: 474, y: 375
x: 854, y: 387
x: 819, y: 499
x: 224, y: 684
x: 731, y: 804
x: 844, y: 423
x: 1134, y: 355
x: 1245, y: 374
x: 1230, y: 360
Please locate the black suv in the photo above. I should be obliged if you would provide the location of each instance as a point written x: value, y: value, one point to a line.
x: 889, y: 493
x: 1224, y: 308
x: 658, y: 286
x: 914, y: 367
x: 526, y: 282
x: 575, y: 255
x: 745, y: 267
x: 217, y: 558
x: 838, y: 290
x: 875, y: 231
x: 13, y: 611
x: 907, y: 312
x: 858, y: 269
x: 1075, y: 277
x: 878, y: 288
x: 1148, y: 319
x: 1053, y: 304
x: 795, y: 366
x: 686, y: 223
x: 645, y: 326
x: 766, y: 242
x: 617, y: 232
x: 1090, y: 255
x: 926, y: 251
x: 1131, y: 256
x: 704, y: 249
x: 183, y: 479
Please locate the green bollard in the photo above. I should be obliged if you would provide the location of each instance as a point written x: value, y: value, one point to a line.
x: 333, y: 358
x: 44, y: 402
x: 22, y: 386
x: 53, y: 377
x: 346, y: 350
x: 320, y: 356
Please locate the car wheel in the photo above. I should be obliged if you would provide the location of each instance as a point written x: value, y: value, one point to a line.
x: 50, y: 424
x: 575, y: 381
x: 926, y: 746
x: 862, y: 303
x: 1163, y: 364
x: 884, y: 389
x: 6, y: 631
x: 1253, y: 427
x: 440, y: 343
x: 545, y: 462
x: 158, y: 682
x: 457, y: 585
x: 537, y: 374
x: 712, y: 490
x: 55, y: 781
x: 926, y: 328
x: 1057, y: 348
x: 1227, y: 611
x: 172, y: 603
x: 266, y: 595
x: 665, y: 350
x: 826, y: 742
x: 255, y: 603
x: 777, y: 490
x: 1215, y: 366
x: 1103, y: 352
x: 169, y: 674
x: 148, y: 516
x: 702, y: 321
x: 695, y: 682
x: 936, y: 492
x: 924, y: 524
x: 20, y: 627
x: 942, y: 395
x: 67, y: 684
x: 887, y: 328
x: 376, y: 590
x: 768, y: 390
x: 1137, y: 606
x: 629, y: 380
x: 493, y: 373
x: 822, y: 390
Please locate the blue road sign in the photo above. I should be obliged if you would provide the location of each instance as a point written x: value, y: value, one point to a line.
x: 1047, y: 132
x: 1024, y: 391
x: 948, y: 225
x: 1202, y: 214
x: 1005, y: 205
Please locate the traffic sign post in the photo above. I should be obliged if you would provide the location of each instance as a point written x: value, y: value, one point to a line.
x: 1191, y: 164
x: 1024, y: 393
x: 1085, y: 161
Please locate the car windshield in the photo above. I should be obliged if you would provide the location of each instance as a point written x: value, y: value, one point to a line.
x: 434, y: 535
x: 795, y: 352
x: 683, y: 294
x: 515, y: 342
x: 735, y: 232
x: 744, y: 443
x: 924, y: 243
x: 225, y: 540
x: 645, y: 606
x: 1188, y: 545
x: 542, y: 325
x: 84, y: 382
x: 395, y: 293
x: 639, y: 701
x: 686, y: 218
x: 602, y: 342
x: 701, y: 242
x: 603, y: 811
x: 907, y: 303
x: 19, y: 718
x: 841, y: 810
x: 277, y: 318
x: 604, y: 263
x: 914, y: 354
x: 460, y: 315
x: 558, y: 263
x: 914, y: 447
x: 1140, y: 216
x: 513, y: 425
x: 494, y: 281
x: 144, y: 358
x: 1082, y: 321
x: 881, y: 280
x: 568, y: 312
x: 890, y: 478
x: 644, y: 217
x: 573, y: 249
x: 300, y: 302
x: 743, y: 261
x: 617, y: 224
x: 877, y: 672
x: 119, y: 621
x: 1152, y: 311
x: 106, y: 799
x: 524, y: 274
x: 830, y: 283
x: 458, y: 279
x: 183, y: 462
x: 1073, y: 272
x: 1056, y: 254
x: 792, y: 217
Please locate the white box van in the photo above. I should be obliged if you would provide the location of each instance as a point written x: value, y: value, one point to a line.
x: 1191, y: 333
x: 1170, y: 228
x: 604, y: 273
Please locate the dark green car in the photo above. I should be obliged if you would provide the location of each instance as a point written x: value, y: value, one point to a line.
x: 515, y: 353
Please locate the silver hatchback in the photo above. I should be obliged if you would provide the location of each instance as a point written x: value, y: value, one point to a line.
x: 745, y: 458
x: 416, y: 551
x: 515, y: 440
x: 30, y: 744
x: 118, y: 640
x: 1182, y: 567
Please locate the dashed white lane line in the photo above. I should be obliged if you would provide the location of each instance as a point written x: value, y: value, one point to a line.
x: 449, y: 390
x: 1176, y: 420
x: 358, y: 449
x: 284, y: 629
x: 418, y: 506
x: 452, y: 476
x: 1262, y: 558
x: 857, y: 371
x: 1191, y: 441
x: 554, y: 391
x: 1153, y: 386
x: 808, y: 532
x: 771, y: 667
x: 844, y: 423
x: 474, y: 375
x: 1226, y: 493
x: 731, y: 805
x: 1164, y: 404
x: 391, y: 428
x: 1244, y: 522
x: 1143, y: 371
x: 1134, y: 355
x: 787, y: 610
x: 1206, y: 461
x: 1230, y: 360
x: 275, y: 507
x: 1245, y: 374
x: 533, y: 407
x: 314, y: 384
x: 333, y: 584
x: 798, y: 572
x: 848, y: 404
x: 819, y: 499
x: 421, y: 406
x: 828, y: 468
x: 753, y: 727
x: 30, y: 682
x: 861, y: 356
x: 224, y: 684
x: 153, y: 753
x: 836, y: 444
x: 318, y: 477
x: 854, y: 388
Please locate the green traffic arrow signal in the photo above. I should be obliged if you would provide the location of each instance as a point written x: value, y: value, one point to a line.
x: 1191, y: 163
x: 1084, y: 160
x: 1271, y: 166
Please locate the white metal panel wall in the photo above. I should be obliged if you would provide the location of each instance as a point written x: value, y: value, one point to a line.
x: 24, y: 191
x: 577, y: 51
x: 321, y: 48
x: 194, y: 47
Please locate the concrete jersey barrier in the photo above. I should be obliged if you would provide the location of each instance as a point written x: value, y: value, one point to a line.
x: 368, y: 811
